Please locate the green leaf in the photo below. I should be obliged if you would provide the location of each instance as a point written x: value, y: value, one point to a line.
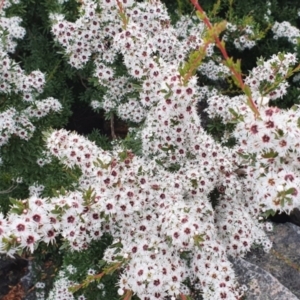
x: 64, y: 246
x: 233, y: 112
x: 101, y: 263
x: 290, y: 191
x: 122, y: 155
x: 198, y: 239
x: 116, y: 245
x: 268, y: 213
x: 247, y: 91
x: 194, y: 183
x: 298, y: 122
x: 270, y: 154
x: 140, y: 171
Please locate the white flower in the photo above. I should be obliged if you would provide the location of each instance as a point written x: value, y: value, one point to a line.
x: 40, y: 285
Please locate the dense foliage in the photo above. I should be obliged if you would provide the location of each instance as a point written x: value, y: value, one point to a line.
x: 157, y: 212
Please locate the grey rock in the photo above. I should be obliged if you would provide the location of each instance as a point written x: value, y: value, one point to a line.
x: 11, y: 270
x: 261, y: 284
x: 30, y: 296
x: 295, y: 216
x: 274, y: 275
x: 27, y: 280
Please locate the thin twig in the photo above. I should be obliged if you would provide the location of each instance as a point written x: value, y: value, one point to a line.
x: 112, y: 127
x: 9, y: 190
x: 81, y: 80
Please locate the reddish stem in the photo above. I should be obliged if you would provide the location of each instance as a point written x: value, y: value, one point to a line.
x: 120, y: 6
x: 128, y: 295
x: 1, y: 4
x: 236, y: 74
x: 183, y: 297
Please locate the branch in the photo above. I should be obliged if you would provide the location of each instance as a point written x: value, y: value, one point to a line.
x: 81, y: 80
x: 222, y: 48
x: 1, y: 4
x: 112, y: 127
x: 9, y: 190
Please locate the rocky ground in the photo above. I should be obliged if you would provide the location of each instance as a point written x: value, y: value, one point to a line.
x: 274, y: 275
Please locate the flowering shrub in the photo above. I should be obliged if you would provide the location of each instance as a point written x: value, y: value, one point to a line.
x: 157, y: 205
x: 23, y: 87
x: 33, y: 76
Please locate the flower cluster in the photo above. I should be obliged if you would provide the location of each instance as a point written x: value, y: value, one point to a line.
x: 45, y: 159
x: 42, y: 108
x: 40, y: 293
x: 213, y: 70
x: 8, y: 3
x: 11, y: 29
x: 153, y: 214
x: 246, y: 36
x: 12, y: 123
x: 266, y: 82
x: 285, y: 29
x: 36, y: 189
x: 245, y: 41
x: 60, y: 290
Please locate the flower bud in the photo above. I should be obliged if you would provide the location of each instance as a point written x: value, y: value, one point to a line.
x: 280, y: 188
x: 120, y: 292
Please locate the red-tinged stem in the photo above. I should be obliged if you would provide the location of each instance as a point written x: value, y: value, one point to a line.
x: 183, y: 297
x: 120, y: 6
x: 122, y: 13
x: 209, y: 25
x: 236, y: 74
x: 113, y: 268
x: 1, y: 4
x: 98, y: 276
x: 128, y: 295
